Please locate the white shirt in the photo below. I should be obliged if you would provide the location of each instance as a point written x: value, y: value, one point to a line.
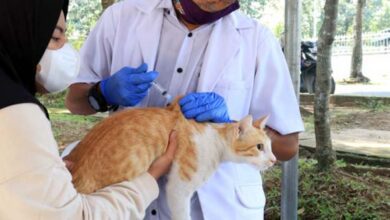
x: 179, y: 58
x: 179, y: 62
x: 243, y: 63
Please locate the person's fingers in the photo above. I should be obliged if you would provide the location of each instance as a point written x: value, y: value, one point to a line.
x: 210, y: 108
x: 205, y: 116
x: 143, y: 87
x: 141, y: 78
x: 202, y: 101
x: 187, y: 99
x: 142, y: 68
x: 193, y: 113
x: 69, y: 164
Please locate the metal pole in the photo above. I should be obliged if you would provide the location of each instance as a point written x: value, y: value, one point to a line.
x: 289, y: 203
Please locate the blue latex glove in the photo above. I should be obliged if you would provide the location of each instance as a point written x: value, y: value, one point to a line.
x: 128, y: 86
x: 205, y: 107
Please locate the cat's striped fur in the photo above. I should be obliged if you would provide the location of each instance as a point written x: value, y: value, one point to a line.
x: 124, y: 145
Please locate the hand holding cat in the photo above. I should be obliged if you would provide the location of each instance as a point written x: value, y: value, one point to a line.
x: 205, y: 107
x: 128, y: 86
x: 162, y: 164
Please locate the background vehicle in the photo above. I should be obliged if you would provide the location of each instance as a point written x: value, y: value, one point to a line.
x: 309, y: 68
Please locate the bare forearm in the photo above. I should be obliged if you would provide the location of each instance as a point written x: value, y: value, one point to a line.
x: 77, y: 99
x: 284, y: 147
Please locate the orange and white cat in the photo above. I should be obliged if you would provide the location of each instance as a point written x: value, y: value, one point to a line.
x: 123, y: 146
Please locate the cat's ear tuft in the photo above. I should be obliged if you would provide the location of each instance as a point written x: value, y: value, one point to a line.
x: 235, y: 131
x: 245, y: 123
x: 261, y: 123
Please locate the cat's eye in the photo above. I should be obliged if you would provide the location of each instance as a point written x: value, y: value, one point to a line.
x: 260, y: 146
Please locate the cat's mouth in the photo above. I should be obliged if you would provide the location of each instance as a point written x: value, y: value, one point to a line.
x: 261, y: 165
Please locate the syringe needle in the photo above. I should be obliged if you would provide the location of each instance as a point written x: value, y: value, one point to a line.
x: 162, y: 91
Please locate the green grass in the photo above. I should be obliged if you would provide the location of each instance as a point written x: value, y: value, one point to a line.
x: 56, y: 100
x: 333, y: 195
x: 67, y: 127
x: 375, y: 105
x: 308, y: 122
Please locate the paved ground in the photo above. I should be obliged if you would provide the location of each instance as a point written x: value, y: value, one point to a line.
x: 363, y: 90
x: 362, y: 141
x: 359, y: 140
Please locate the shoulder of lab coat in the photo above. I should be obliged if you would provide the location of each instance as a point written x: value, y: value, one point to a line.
x: 265, y: 86
x: 97, y: 51
x: 34, y: 183
x: 273, y: 91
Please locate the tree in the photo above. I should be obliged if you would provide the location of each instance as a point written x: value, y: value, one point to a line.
x: 252, y: 8
x: 107, y: 3
x: 357, y: 53
x: 324, y: 152
x: 82, y: 16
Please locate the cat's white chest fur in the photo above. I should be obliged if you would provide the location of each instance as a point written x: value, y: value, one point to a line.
x: 209, y: 152
x: 243, y: 142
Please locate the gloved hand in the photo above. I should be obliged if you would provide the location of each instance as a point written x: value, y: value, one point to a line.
x: 128, y: 86
x: 205, y: 107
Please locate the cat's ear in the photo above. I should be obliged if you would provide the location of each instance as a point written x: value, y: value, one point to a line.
x: 260, y: 123
x: 245, y: 123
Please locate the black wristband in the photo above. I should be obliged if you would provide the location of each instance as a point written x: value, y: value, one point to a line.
x: 97, y: 101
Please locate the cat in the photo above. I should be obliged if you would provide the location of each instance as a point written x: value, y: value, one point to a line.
x: 123, y: 146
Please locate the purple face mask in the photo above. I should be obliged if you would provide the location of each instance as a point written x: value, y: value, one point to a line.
x: 193, y: 14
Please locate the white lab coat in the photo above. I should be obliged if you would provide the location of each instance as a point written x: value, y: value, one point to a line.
x: 243, y: 63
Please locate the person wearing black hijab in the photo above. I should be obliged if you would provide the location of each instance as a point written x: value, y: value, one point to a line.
x: 25, y: 30
x: 34, y: 182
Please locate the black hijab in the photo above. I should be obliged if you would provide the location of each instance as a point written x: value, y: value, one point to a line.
x: 26, y: 27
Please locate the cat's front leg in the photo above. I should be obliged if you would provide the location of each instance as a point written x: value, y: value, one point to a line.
x: 179, y: 195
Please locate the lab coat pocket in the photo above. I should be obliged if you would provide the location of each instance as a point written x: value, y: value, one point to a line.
x: 251, y: 195
x: 236, y: 95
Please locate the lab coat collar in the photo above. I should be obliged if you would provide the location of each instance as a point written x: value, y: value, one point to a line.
x: 238, y: 20
x: 224, y: 43
x: 223, y: 46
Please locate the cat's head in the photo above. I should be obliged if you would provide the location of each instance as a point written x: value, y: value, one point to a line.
x: 250, y: 143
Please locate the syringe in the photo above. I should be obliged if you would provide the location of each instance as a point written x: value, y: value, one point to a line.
x: 163, y: 92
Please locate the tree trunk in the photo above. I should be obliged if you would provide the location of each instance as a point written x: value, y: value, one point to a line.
x: 324, y: 152
x: 106, y: 3
x: 357, y: 54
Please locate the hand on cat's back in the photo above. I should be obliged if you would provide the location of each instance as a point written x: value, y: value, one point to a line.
x: 162, y: 164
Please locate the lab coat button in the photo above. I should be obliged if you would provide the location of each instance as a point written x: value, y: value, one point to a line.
x: 154, y: 212
x: 179, y: 70
x: 190, y: 34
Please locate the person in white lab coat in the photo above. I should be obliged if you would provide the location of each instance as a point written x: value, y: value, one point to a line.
x: 34, y: 182
x: 227, y: 66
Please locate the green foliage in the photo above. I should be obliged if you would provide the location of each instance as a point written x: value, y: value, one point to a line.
x: 374, y: 105
x: 346, y: 17
x: 253, y: 8
x: 55, y: 100
x: 331, y: 195
x: 376, y: 16
x: 82, y: 16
